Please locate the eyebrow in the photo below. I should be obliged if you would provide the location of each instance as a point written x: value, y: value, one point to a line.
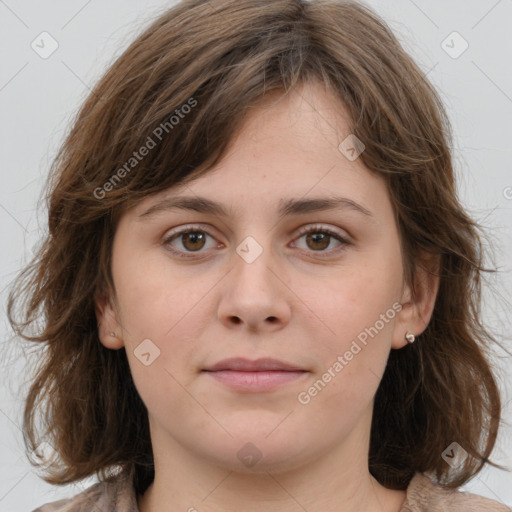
x: 287, y: 207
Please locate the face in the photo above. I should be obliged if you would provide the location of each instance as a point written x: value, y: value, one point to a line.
x: 273, y: 275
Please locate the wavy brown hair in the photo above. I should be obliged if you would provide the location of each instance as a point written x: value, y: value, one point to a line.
x: 222, y: 56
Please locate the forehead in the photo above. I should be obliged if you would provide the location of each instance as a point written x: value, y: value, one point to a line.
x: 287, y: 148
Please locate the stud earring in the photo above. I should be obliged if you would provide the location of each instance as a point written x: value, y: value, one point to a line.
x: 113, y: 334
x: 410, y: 337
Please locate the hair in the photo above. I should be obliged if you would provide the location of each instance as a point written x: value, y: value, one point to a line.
x: 218, y: 58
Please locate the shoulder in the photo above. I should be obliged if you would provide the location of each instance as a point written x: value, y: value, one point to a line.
x: 423, y: 495
x: 115, y: 494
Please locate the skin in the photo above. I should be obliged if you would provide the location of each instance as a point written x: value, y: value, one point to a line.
x: 290, y: 303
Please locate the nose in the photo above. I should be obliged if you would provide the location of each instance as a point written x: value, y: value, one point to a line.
x: 254, y: 294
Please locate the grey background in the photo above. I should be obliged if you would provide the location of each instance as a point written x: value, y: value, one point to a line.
x: 38, y: 98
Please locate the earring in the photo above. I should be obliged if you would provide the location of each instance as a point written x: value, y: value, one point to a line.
x: 410, y: 337
x: 113, y: 334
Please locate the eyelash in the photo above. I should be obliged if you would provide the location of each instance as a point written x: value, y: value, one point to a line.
x: 304, y: 231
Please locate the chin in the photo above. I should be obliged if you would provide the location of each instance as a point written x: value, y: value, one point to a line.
x: 254, y: 451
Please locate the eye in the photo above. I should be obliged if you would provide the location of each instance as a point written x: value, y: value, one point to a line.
x: 191, y: 239
x: 318, y: 238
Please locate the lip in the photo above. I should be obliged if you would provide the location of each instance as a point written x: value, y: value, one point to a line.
x: 266, y: 374
x: 246, y: 365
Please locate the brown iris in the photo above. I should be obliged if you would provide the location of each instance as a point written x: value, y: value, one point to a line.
x: 194, y: 240
x: 316, y: 238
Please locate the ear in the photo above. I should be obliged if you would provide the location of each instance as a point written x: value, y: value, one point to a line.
x: 109, y: 327
x: 418, y: 304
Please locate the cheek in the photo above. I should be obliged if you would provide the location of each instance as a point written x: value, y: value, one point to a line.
x: 354, y: 298
x: 353, y: 360
x: 155, y: 299
x: 357, y: 312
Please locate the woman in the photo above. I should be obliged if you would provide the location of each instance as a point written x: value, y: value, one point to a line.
x: 259, y: 290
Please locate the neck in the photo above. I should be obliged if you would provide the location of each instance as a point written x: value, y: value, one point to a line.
x: 332, y: 481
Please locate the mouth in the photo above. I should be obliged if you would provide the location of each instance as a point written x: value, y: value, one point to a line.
x: 241, y: 374
x: 246, y: 365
